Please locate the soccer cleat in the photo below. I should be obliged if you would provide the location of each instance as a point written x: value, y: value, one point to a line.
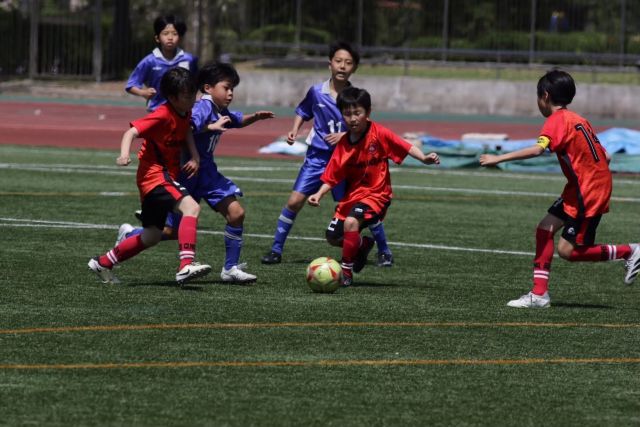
x: 104, y: 274
x: 138, y: 215
x: 363, y: 253
x: 272, y: 258
x: 236, y: 275
x: 192, y: 271
x: 385, y: 259
x: 122, y: 232
x: 347, y: 278
x: 531, y: 300
x: 632, y: 264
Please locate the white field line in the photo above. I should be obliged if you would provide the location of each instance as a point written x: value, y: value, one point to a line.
x: 32, y: 223
x: 116, y: 170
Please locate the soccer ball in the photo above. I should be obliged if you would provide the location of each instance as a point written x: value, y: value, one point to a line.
x: 324, y: 275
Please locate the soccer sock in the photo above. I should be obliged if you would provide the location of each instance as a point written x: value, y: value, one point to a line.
x: 377, y: 230
x: 542, y: 261
x: 129, y: 247
x: 350, y: 246
x: 285, y: 223
x: 135, y: 232
x: 233, y: 245
x: 600, y: 253
x: 187, y: 240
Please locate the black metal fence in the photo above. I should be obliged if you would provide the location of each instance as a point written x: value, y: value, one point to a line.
x: 104, y: 39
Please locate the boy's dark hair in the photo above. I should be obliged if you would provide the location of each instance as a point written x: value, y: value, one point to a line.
x: 214, y: 72
x: 341, y: 45
x: 559, y: 85
x: 177, y: 81
x: 162, y: 21
x: 353, y: 97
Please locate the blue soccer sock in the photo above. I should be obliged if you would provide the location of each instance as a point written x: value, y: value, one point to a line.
x: 377, y: 230
x: 233, y: 245
x: 139, y: 230
x: 285, y: 222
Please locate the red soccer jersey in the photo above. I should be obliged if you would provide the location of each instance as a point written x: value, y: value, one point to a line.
x: 583, y: 161
x: 164, y: 132
x: 365, y: 167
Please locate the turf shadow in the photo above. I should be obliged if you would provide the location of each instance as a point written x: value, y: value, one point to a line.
x: 579, y: 305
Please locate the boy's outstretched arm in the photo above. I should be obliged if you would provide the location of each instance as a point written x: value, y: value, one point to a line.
x: 427, y: 159
x: 258, y: 115
x: 314, y: 199
x: 525, y: 153
x: 125, y: 146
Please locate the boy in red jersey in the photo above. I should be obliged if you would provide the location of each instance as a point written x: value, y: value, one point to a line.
x: 585, y: 198
x: 165, y: 132
x: 361, y: 158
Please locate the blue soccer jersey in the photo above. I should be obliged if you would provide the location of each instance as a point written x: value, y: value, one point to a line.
x: 150, y: 70
x: 320, y: 106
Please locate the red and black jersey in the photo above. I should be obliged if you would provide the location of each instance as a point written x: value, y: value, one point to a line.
x: 165, y: 133
x: 583, y: 161
x: 364, y: 165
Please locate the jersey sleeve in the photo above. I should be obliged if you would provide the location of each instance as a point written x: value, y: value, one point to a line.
x: 147, y: 125
x: 335, y: 171
x: 200, y: 116
x: 554, y: 130
x: 236, y: 118
x: 139, y: 75
x: 397, y: 147
x: 305, y: 108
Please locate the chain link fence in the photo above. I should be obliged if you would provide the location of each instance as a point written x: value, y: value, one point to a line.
x: 104, y: 39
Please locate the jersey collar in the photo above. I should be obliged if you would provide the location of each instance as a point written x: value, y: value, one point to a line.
x: 326, y: 87
x: 208, y: 97
x: 158, y: 54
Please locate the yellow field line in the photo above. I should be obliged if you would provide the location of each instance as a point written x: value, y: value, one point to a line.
x: 269, y: 325
x: 322, y: 363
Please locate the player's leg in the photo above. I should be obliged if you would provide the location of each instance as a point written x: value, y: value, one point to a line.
x: 385, y: 257
x: 307, y: 183
x: 233, y: 212
x: 577, y: 245
x: 350, y: 245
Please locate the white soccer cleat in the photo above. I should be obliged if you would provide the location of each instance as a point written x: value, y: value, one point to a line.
x: 104, y: 274
x: 236, y: 275
x: 124, y: 229
x: 632, y: 265
x: 192, y: 271
x: 531, y: 300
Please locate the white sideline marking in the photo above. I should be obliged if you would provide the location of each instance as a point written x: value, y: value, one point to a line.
x: 33, y: 223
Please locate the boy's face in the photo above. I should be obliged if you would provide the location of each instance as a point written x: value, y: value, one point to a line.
x: 356, y: 118
x: 221, y: 93
x: 544, y: 105
x: 183, y: 102
x: 168, y: 38
x: 342, y: 66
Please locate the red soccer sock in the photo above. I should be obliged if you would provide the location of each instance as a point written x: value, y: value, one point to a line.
x: 350, y: 246
x: 542, y: 261
x: 187, y: 240
x: 600, y: 253
x: 125, y: 250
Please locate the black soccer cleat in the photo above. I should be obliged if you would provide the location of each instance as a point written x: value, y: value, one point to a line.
x: 385, y: 259
x: 363, y: 253
x: 272, y: 258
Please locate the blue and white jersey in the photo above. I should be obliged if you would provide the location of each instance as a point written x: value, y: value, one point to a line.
x: 203, y: 113
x: 150, y: 70
x: 320, y: 106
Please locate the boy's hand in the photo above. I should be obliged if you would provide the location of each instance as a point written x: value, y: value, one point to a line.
x: 123, y: 161
x: 488, y: 160
x: 191, y: 167
x: 431, y: 159
x: 333, y: 138
x: 314, y: 200
x: 264, y: 115
x: 291, y: 137
x: 148, y: 93
x: 219, y: 126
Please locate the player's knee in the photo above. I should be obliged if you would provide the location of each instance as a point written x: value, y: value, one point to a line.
x: 351, y: 224
x: 189, y: 207
x: 565, y: 250
x: 236, y: 218
x: 151, y: 236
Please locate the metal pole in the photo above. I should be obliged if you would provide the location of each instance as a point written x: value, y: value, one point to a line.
x: 532, y: 33
x: 359, y: 24
x: 97, y: 41
x: 445, y: 30
x: 623, y: 29
x: 34, y: 15
x: 298, y: 32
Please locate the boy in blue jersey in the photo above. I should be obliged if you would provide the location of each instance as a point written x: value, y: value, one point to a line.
x: 328, y: 127
x: 210, y: 118
x: 144, y: 81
